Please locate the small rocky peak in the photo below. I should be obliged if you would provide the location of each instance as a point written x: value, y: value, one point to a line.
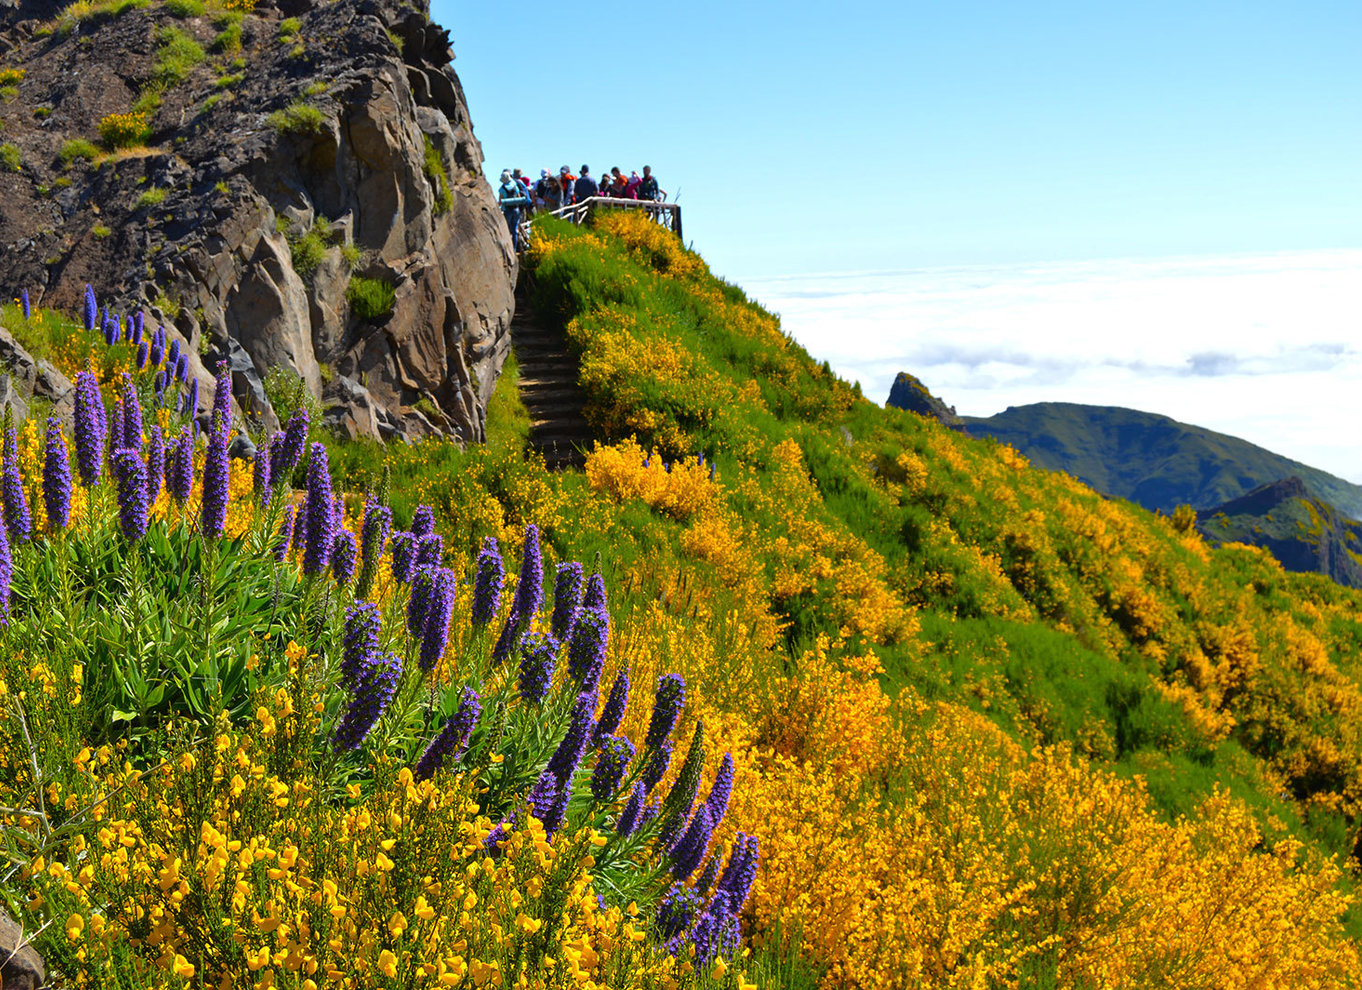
x: 1263, y: 499
x: 909, y: 393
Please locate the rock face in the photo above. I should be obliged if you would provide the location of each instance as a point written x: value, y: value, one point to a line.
x: 909, y: 393
x: 21, y: 968
x: 309, y: 196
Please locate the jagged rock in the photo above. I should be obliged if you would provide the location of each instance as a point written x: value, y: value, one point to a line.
x: 21, y: 968
x: 28, y: 377
x: 909, y: 393
x: 224, y: 260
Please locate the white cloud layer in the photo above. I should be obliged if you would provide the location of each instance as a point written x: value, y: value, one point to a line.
x: 1264, y: 347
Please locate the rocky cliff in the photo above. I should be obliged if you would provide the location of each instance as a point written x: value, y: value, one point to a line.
x: 283, y: 183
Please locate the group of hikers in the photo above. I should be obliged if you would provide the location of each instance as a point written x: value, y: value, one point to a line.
x: 551, y: 192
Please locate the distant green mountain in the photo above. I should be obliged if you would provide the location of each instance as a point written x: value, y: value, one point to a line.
x: 1150, y: 459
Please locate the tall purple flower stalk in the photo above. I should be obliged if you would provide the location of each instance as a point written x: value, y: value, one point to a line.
x: 132, y: 415
x: 613, y: 712
x: 138, y: 324
x: 285, y: 535
x: 359, y: 642
x: 451, y: 740
x: 222, y: 394
x: 287, y: 451
x: 6, y: 568
x: 181, y: 479
x: 320, y: 524
x: 378, y: 521
x: 173, y: 358
x: 565, y: 759
x: 216, y: 483
x: 487, y: 584
x: 721, y: 790
x: 545, y: 799
x: 89, y: 428
x: 18, y: 520
x: 155, y: 355
x: 614, y: 759
x: 143, y: 352
x: 567, y: 599
x: 131, y: 475
x: 529, y: 591
x: 56, y: 477
x: 429, y: 550
x: 23, y: 302
x: 537, y: 653
x: 439, y: 611
x: 656, y: 767
x: 736, y: 881
x: 419, y: 600
x: 422, y: 521
x: 343, y: 553
x: 156, y: 464
x: 587, y: 648
x: 404, y: 556
x: 162, y: 380
x: 374, y: 691
x: 689, y: 851
x: 633, y: 809
x: 260, y: 476
x: 91, y: 308
x: 594, y: 597
x: 667, y: 705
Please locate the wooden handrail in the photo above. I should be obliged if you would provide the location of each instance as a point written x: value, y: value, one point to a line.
x: 666, y: 214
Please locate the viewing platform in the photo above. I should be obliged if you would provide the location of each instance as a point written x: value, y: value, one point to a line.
x: 667, y: 215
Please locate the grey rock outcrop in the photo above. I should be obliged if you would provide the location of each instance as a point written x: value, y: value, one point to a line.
x: 318, y: 205
x: 21, y: 968
x: 909, y: 393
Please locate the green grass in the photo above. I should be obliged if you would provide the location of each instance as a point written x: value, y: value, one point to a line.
x: 434, y: 167
x: 184, y: 8
x: 289, y: 28
x: 229, y: 25
x: 370, y: 298
x: 11, y: 159
x: 152, y: 197
x: 94, y: 11
x: 78, y: 149
x: 299, y: 117
x: 99, y: 232
x: 308, y: 248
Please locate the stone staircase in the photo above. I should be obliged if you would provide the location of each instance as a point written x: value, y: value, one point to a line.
x: 548, y: 387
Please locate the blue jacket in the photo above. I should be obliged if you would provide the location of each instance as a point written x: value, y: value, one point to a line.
x: 585, y: 188
x: 511, y: 195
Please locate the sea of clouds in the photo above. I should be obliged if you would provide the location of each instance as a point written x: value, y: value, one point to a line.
x: 1267, y: 347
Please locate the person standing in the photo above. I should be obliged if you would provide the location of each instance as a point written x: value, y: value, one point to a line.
x: 585, y: 187
x: 511, y: 197
x: 568, y: 183
x: 648, y: 188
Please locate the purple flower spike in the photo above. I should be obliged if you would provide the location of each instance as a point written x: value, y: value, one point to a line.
x: 174, y: 354
x: 595, y: 593
x: 736, y: 881
x: 131, y: 435
x: 260, y: 476
x: 374, y: 691
x: 143, y: 352
x: 56, y: 478
x: 216, y: 484
x: 285, y: 535
x: 110, y: 332
x: 667, y: 705
x: 222, y: 394
x: 18, y: 520
x: 343, y: 553
x: 449, y: 744
x: 429, y: 550
x: 717, y: 802
x: 162, y: 380
x: 544, y: 799
x: 138, y: 323
x: 190, y: 408
x: 360, y: 642
x: 287, y: 451
x: 537, y: 653
x: 23, y: 301
x: 156, y: 464
x: 676, y: 911
x: 91, y: 308
x: 378, y: 523
x: 6, y: 572
x: 614, y: 760
x: 613, y: 713
x: 320, y: 524
x: 422, y: 521
x: 182, y: 367
x: 656, y: 767
x: 487, y: 585
x: 690, y: 849
x: 529, y: 591
x: 419, y: 600
x: 587, y: 648
x: 629, y: 817
x: 131, y: 475
x: 565, y: 759
x: 156, y: 354
x: 567, y: 599
x: 404, y: 556
x: 439, y: 611
x: 717, y: 933
x: 89, y: 428
x: 181, y: 479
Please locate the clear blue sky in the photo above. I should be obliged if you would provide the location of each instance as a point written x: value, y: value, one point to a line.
x: 842, y: 137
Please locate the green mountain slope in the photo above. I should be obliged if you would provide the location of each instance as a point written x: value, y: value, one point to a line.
x: 1150, y: 459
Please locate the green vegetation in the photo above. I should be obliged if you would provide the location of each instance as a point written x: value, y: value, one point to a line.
x: 224, y: 82
x: 99, y: 231
x: 434, y: 167
x: 152, y: 197
x: 299, y: 117
x: 508, y: 421
x: 11, y: 159
x: 288, y: 29
x: 94, y: 10
x: 42, y: 113
x: 308, y: 248
x: 177, y: 55
x: 370, y: 298
x: 229, y: 25
x: 78, y: 149
x: 184, y: 8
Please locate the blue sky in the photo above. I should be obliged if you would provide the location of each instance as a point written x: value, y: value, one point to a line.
x: 1154, y: 205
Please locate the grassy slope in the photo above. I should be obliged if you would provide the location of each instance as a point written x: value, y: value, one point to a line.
x: 1151, y: 459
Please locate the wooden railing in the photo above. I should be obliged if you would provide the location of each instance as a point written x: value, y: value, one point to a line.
x: 666, y: 214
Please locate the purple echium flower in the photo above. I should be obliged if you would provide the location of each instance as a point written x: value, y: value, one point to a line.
x: 567, y: 599
x: 89, y: 428
x: 343, y: 553
x: 721, y: 790
x: 529, y: 589
x: 132, y: 416
x: 656, y: 767
x: 320, y: 523
x: 676, y: 911
x: 502, y: 649
x: 131, y: 475
x: 594, y: 596
x: 450, y: 742
x: 260, y: 476
x: 138, y: 323
x: 162, y: 380
x: 378, y: 523
x: 649, y: 813
x: 429, y: 550
x: 91, y: 308
x: 222, y: 394
x: 190, y: 404
x: 419, y: 600
x: 110, y: 332
x: 667, y: 705
x: 565, y: 759
x: 216, y: 483
x: 614, y: 759
x: 56, y: 477
x: 181, y: 478
x: 18, y: 520
x: 710, y: 874
x: 285, y: 535
x: 173, y: 357
x: 543, y: 801
x: 586, y: 649
x: 182, y: 368
x: 633, y: 809
x: 439, y: 611
x: 498, y: 835
x: 422, y: 521
x: 114, y: 437
x: 487, y: 585
x: 537, y: 653
x: 155, y: 355
x: 23, y: 304
x: 374, y: 691
x: 143, y: 352
x: 6, y: 570
x: 736, y: 881
x: 286, y: 452
x: 689, y: 851
x: 404, y: 556
x: 360, y: 641
x: 613, y: 712
x: 156, y: 464
x: 717, y: 933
